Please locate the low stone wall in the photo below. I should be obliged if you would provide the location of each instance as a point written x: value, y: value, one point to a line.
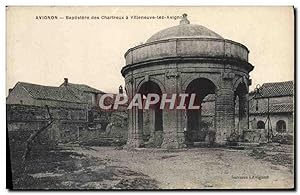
x: 70, y: 126
x: 261, y: 136
x: 256, y: 135
x: 118, y: 126
x: 25, y: 113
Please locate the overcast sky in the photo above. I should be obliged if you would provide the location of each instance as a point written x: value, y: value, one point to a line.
x: 92, y: 51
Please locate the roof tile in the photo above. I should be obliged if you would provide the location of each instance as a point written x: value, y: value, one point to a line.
x: 49, y: 93
x: 276, y: 89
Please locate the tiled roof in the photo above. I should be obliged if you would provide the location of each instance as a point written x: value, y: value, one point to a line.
x: 84, y: 88
x: 49, y: 93
x: 276, y: 89
x: 282, y: 108
x: 274, y: 108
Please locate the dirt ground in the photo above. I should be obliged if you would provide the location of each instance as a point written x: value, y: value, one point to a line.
x: 195, y: 168
x: 203, y: 167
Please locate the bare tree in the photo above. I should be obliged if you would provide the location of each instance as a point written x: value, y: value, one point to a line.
x: 36, y: 133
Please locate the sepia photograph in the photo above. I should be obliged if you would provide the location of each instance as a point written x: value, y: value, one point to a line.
x: 150, y: 98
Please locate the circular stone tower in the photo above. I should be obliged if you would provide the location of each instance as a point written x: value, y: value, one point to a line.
x: 188, y: 58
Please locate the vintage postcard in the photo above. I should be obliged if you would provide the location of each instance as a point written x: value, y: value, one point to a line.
x: 150, y: 98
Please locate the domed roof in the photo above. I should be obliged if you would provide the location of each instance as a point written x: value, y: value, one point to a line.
x: 184, y: 30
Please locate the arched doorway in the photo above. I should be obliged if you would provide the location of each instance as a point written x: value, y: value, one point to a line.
x: 200, y: 121
x: 150, y: 121
x: 241, y: 109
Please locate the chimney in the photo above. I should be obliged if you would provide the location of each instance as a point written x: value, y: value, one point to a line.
x: 65, y: 81
x: 9, y: 90
x: 120, y: 89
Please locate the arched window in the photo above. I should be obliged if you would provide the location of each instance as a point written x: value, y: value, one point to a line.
x: 281, y: 126
x: 260, y: 125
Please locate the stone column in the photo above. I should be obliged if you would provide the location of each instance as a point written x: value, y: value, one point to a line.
x: 170, y: 129
x: 172, y: 125
x: 135, y: 136
x: 224, y: 112
x: 243, y: 120
x: 151, y: 124
x: 181, y: 128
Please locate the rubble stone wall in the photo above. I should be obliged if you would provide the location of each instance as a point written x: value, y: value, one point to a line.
x: 70, y: 126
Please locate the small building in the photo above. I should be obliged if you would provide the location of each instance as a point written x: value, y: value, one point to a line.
x: 39, y: 95
x: 74, y: 107
x: 29, y: 106
x: 85, y: 93
x: 271, y: 112
x: 272, y: 106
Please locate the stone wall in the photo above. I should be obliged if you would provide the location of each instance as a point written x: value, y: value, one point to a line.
x: 71, y: 125
x: 274, y: 118
x: 24, y: 113
x: 256, y: 135
x: 118, y: 125
x: 187, y: 47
